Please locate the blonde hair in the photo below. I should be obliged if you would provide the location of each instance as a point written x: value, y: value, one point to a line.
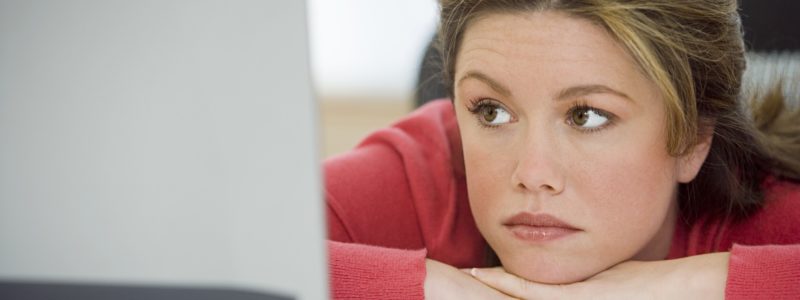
x: 694, y: 52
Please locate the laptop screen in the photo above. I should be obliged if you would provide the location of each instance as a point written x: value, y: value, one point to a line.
x: 166, y: 144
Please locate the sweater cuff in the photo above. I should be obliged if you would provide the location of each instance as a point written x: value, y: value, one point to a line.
x: 371, y: 272
x: 763, y: 272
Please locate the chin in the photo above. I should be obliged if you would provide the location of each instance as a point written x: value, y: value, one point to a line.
x: 551, y: 272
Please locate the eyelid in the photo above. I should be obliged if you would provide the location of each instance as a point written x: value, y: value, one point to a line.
x: 474, y: 104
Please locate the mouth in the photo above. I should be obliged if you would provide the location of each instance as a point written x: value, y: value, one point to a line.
x: 538, y: 227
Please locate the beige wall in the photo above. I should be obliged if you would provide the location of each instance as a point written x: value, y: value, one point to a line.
x: 346, y: 122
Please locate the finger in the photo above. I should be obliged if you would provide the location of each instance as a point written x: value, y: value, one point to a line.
x: 515, y: 286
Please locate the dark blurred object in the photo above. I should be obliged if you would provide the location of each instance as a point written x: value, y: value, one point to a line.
x: 769, y: 26
x: 430, y: 82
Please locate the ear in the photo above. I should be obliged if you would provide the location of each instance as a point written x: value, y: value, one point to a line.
x: 689, y: 164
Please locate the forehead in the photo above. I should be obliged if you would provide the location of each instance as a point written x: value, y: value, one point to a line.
x: 543, y: 47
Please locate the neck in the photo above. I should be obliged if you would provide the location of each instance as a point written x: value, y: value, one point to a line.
x: 658, y: 247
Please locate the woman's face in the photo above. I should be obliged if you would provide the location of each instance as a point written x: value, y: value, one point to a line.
x: 565, y: 147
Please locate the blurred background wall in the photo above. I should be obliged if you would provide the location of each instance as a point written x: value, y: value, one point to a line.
x: 365, y: 56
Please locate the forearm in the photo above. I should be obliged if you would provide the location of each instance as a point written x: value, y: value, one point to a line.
x: 370, y: 272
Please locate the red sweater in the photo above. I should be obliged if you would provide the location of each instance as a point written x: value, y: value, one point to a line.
x: 401, y: 196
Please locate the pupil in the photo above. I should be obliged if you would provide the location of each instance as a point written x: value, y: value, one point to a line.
x: 489, y: 114
x: 581, y: 117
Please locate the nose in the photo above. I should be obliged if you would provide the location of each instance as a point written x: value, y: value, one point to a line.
x: 538, y: 169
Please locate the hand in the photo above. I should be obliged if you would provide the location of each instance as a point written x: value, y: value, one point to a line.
x: 694, y: 277
x: 445, y: 282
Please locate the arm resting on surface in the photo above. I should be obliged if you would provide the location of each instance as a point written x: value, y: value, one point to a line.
x: 371, y: 272
x: 764, y: 272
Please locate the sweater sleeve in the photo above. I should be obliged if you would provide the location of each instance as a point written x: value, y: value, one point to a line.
x: 371, y: 272
x: 764, y: 272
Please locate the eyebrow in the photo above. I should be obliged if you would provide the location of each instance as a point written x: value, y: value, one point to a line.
x: 486, y: 79
x: 583, y: 90
x: 568, y: 93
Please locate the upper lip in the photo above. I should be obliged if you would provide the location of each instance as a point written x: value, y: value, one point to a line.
x: 537, y: 220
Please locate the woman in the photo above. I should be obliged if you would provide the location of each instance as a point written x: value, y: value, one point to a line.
x: 605, y: 152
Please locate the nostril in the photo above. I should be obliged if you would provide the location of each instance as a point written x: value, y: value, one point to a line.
x: 545, y: 187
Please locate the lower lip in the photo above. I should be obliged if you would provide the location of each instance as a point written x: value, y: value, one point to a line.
x: 539, y: 234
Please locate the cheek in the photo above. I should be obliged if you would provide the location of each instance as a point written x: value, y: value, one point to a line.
x: 626, y: 172
x: 488, y: 176
x: 624, y: 187
x: 629, y: 169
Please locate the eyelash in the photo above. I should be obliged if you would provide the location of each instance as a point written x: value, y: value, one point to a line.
x: 476, y: 104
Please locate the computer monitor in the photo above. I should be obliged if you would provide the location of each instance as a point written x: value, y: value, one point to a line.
x: 158, y: 149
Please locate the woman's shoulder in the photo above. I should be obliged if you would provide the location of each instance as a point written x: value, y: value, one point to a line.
x: 777, y: 221
x: 781, y: 192
x: 431, y: 130
x: 395, y: 179
x: 426, y: 141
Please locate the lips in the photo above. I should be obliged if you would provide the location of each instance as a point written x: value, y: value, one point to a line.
x: 538, y: 227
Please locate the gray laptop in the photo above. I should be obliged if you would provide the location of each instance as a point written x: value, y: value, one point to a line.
x: 158, y: 149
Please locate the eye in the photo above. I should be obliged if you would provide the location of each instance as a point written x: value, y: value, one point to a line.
x: 587, y: 118
x: 490, y: 114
